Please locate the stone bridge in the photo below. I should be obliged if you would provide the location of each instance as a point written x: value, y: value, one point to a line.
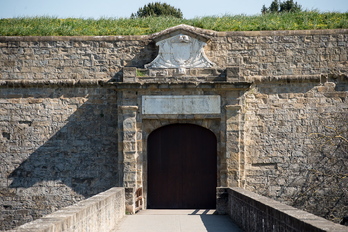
x: 249, y: 211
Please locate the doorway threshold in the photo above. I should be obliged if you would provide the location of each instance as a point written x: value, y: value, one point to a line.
x: 178, y: 212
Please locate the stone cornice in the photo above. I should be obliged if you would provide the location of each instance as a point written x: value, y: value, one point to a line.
x: 52, y: 83
x: 121, y: 85
x: 71, y: 38
x: 150, y: 37
x: 168, y: 85
x: 290, y: 78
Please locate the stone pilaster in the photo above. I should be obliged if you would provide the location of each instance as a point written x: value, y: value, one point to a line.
x: 233, y: 141
x: 128, y: 136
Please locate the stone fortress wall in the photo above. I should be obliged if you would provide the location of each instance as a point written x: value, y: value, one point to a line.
x: 60, y: 114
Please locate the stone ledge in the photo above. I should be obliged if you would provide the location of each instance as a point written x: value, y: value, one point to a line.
x: 71, y: 38
x: 292, y: 78
x: 185, y: 85
x: 157, y: 84
x: 284, y: 32
x: 122, y: 85
x: 181, y: 116
x: 51, y: 83
x: 320, y: 79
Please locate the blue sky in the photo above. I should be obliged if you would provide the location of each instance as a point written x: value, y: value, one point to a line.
x: 124, y: 8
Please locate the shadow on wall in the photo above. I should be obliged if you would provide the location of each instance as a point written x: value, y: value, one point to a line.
x: 82, y: 154
x: 143, y: 55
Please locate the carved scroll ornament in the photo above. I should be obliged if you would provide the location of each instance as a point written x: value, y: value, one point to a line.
x: 180, y: 51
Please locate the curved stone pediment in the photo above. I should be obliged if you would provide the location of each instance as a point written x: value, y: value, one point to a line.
x: 181, y: 50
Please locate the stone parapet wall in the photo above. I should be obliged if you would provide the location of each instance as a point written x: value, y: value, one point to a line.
x: 265, y: 53
x: 252, y: 212
x: 277, y: 53
x: 101, y: 212
x: 57, y: 58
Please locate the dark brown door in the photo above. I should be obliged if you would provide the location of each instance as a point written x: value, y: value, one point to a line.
x: 181, y: 168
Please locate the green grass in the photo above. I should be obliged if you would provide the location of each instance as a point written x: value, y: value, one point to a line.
x: 49, y: 26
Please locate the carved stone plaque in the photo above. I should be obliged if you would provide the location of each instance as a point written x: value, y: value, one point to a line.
x: 181, y: 104
x: 180, y: 51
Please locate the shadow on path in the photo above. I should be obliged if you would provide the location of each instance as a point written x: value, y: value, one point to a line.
x: 177, y: 221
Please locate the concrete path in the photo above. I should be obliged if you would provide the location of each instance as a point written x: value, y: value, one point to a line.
x: 177, y: 221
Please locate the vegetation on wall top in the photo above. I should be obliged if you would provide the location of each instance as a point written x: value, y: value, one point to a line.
x: 50, y: 26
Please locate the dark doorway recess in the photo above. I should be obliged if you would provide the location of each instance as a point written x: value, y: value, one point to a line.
x: 182, y: 167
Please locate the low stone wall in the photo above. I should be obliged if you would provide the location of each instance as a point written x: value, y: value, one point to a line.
x: 253, y: 212
x: 98, y: 213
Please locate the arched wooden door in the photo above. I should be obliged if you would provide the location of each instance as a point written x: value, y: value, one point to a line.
x: 182, y: 167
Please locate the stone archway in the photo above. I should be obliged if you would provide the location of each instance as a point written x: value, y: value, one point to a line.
x: 135, y: 129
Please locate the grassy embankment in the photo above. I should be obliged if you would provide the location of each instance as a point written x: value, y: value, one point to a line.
x: 50, y: 26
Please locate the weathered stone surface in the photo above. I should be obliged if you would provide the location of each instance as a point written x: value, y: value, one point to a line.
x: 58, y: 146
x: 71, y: 120
x: 185, y: 104
x: 282, y: 149
x: 255, y: 53
x: 180, y: 51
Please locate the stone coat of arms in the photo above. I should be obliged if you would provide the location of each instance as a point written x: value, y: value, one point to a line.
x: 180, y: 51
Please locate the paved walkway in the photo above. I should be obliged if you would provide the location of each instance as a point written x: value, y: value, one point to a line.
x: 177, y: 221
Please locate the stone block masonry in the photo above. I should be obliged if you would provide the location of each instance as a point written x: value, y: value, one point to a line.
x: 257, y: 54
x: 72, y: 123
x: 101, y: 212
x: 59, y: 147
x: 62, y: 58
x: 289, y: 136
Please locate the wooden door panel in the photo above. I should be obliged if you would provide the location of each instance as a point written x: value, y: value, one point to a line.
x: 181, y: 167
